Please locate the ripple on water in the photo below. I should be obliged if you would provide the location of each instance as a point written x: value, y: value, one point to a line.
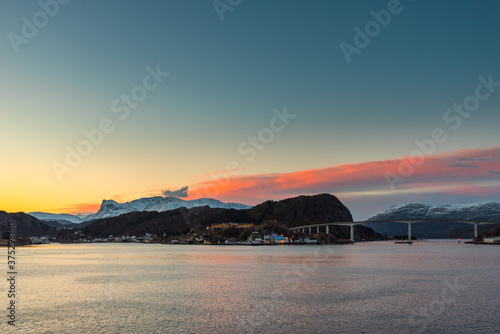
x: 363, y: 288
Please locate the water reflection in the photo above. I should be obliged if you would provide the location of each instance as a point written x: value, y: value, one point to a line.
x: 370, y: 287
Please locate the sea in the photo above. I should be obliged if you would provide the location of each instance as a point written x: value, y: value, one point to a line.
x: 371, y: 287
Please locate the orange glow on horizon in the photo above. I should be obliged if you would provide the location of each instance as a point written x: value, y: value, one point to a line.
x: 471, y: 172
x: 81, y: 208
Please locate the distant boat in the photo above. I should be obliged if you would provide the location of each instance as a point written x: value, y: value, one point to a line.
x: 255, y: 242
x: 310, y: 241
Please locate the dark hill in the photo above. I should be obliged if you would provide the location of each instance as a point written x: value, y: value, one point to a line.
x: 26, y: 225
x: 291, y: 212
x: 303, y: 210
x: 159, y: 223
x: 169, y: 222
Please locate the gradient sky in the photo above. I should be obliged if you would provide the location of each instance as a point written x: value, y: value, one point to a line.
x: 354, y: 122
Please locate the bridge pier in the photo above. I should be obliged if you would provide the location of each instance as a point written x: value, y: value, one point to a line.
x: 303, y: 228
x: 409, y: 233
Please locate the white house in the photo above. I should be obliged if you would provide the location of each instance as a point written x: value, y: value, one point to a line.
x: 491, y: 240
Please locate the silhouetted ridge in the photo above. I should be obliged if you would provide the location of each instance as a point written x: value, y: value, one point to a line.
x: 302, y: 210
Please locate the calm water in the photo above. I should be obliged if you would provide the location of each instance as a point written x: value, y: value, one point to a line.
x: 433, y: 287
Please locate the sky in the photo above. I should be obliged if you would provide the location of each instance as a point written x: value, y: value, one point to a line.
x: 379, y: 103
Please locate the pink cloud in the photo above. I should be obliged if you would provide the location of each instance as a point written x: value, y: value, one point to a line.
x: 465, y: 170
x: 451, y: 177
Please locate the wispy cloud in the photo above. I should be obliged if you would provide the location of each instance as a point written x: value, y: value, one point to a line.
x: 362, y: 187
x: 472, y: 159
x: 182, y: 192
x: 464, y: 166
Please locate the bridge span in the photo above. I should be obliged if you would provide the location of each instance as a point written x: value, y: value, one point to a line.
x: 409, y: 222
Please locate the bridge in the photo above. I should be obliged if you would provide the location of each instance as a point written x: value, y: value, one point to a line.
x: 409, y: 222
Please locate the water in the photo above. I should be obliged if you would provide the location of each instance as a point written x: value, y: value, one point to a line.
x: 380, y: 287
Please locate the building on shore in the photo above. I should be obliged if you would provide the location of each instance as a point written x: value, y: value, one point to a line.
x: 229, y: 225
x: 490, y: 240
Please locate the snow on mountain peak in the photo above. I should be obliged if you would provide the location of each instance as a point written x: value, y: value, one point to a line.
x: 110, y: 208
x: 487, y: 211
x: 64, y: 218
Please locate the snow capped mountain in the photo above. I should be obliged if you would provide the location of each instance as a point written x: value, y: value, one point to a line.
x: 61, y: 217
x: 110, y: 208
x: 487, y: 211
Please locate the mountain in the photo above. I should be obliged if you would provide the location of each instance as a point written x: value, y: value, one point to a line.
x: 61, y: 218
x: 26, y: 225
x: 110, y: 208
x: 303, y: 210
x: 291, y: 212
x: 488, y: 211
x: 141, y: 222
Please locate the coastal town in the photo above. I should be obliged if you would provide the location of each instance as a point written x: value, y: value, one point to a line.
x: 218, y: 234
